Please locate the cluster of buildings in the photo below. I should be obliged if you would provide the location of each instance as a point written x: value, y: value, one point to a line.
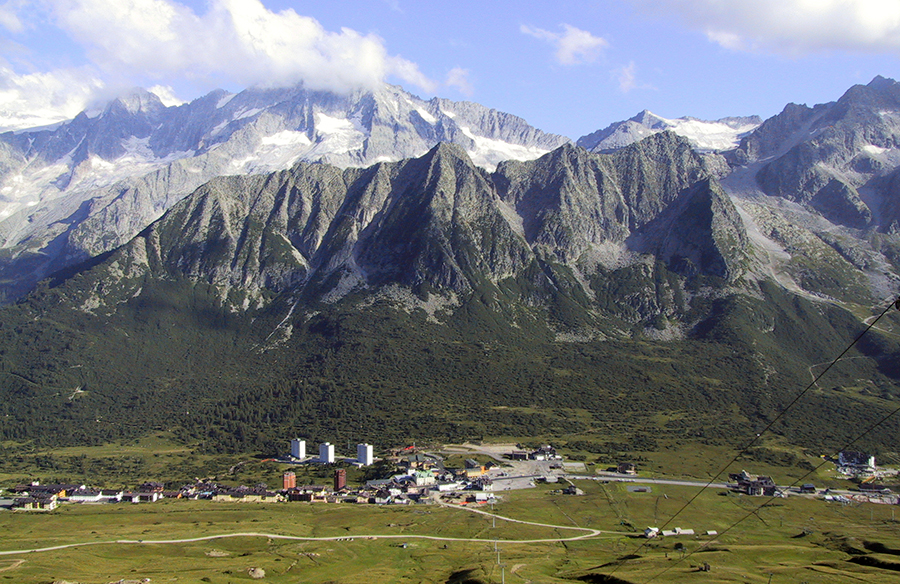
x: 421, y: 476
x: 856, y: 464
x: 849, y: 463
x: 38, y: 497
x: 364, y: 456
x: 652, y: 532
x: 754, y: 485
x: 545, y: 452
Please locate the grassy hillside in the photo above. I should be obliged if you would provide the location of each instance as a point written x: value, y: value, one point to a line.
x: 173, y: 360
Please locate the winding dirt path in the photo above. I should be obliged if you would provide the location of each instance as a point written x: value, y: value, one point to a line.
x: 14, y: 564
x: 588, y: 533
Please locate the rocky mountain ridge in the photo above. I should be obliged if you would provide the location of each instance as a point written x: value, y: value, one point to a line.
x: 440, y: 225
x: 89, y: 185
x: 839, y: 158
x: 561, y: 204
x: 653, y: 286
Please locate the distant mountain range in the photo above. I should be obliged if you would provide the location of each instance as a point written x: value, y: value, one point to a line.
x: 724, y: 134
x: 384, y: 244
x: 88, y: 185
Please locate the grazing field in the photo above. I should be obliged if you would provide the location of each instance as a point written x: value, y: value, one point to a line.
x: 793, y: 540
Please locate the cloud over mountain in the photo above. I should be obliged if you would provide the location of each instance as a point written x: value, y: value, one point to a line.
x: 36, y: 99
x: 235, y: 42
x: 238, y: 41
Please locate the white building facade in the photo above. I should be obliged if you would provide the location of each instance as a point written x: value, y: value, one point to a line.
x: 326, y: 453
x: 364, y: 454
x: 298, y: 448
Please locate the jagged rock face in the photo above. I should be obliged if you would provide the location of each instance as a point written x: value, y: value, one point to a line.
x: 89, y: 185
x: 567, y: 201
x: 702, y: 233
x: 435, y: 220
x: 444, y: 226
x: 571, y: 200
x: 439, y: 225
x: 836, y: 157
x: 773, y: 134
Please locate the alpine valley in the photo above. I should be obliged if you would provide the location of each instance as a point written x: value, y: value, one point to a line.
x: 378, y: 267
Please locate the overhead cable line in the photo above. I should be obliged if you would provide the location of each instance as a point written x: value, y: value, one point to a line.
x: 745, y: 449
x: 773, y: 497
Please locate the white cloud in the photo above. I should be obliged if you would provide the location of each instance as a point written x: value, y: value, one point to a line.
x: 9, y: 16
x: 235, y: 42
x: 626, y: 77
x: 458, y: 78
x: 38, y: 99
x: 166, y: 95
x: 574, y: 46
x: 791, y: 26
x: 409, y: 71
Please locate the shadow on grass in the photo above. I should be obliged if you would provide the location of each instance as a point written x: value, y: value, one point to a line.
x: 464, y: 577
x: 602, y: 579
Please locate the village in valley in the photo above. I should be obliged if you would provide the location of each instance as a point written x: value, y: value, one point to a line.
x: 415, y: 476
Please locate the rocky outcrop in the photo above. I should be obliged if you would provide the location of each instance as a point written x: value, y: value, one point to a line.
x: 827, y: 156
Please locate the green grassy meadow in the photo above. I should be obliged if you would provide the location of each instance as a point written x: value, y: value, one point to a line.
x: 793, y: 540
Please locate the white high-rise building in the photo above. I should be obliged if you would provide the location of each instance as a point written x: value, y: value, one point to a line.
x: 326, y: 453
x: 298, y: 448
x: 364, y: 454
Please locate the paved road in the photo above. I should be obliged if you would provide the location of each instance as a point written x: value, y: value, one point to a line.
x: 642, y: 480
x: 632, y: 479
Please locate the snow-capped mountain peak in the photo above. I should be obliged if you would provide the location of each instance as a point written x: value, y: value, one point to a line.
x: 717, y: 135
x: 135, y: 157
x: 136, y: 101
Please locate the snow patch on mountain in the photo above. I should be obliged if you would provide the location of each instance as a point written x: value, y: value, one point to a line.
x: 424, y: 114
x: 224, y: 101
x: 718, y: 135
x: 275, y: 152
x: 287, y: 138
x: 337, y: 135
x: 873, y: 149
x: 326, y: 124
x: 249, y: 113
x: 488, y: 153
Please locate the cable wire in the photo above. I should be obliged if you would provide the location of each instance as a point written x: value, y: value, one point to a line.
x: 773, y: 497
x: 745, y: 449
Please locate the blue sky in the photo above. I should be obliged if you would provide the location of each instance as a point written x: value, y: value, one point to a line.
x: 566, y: 67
